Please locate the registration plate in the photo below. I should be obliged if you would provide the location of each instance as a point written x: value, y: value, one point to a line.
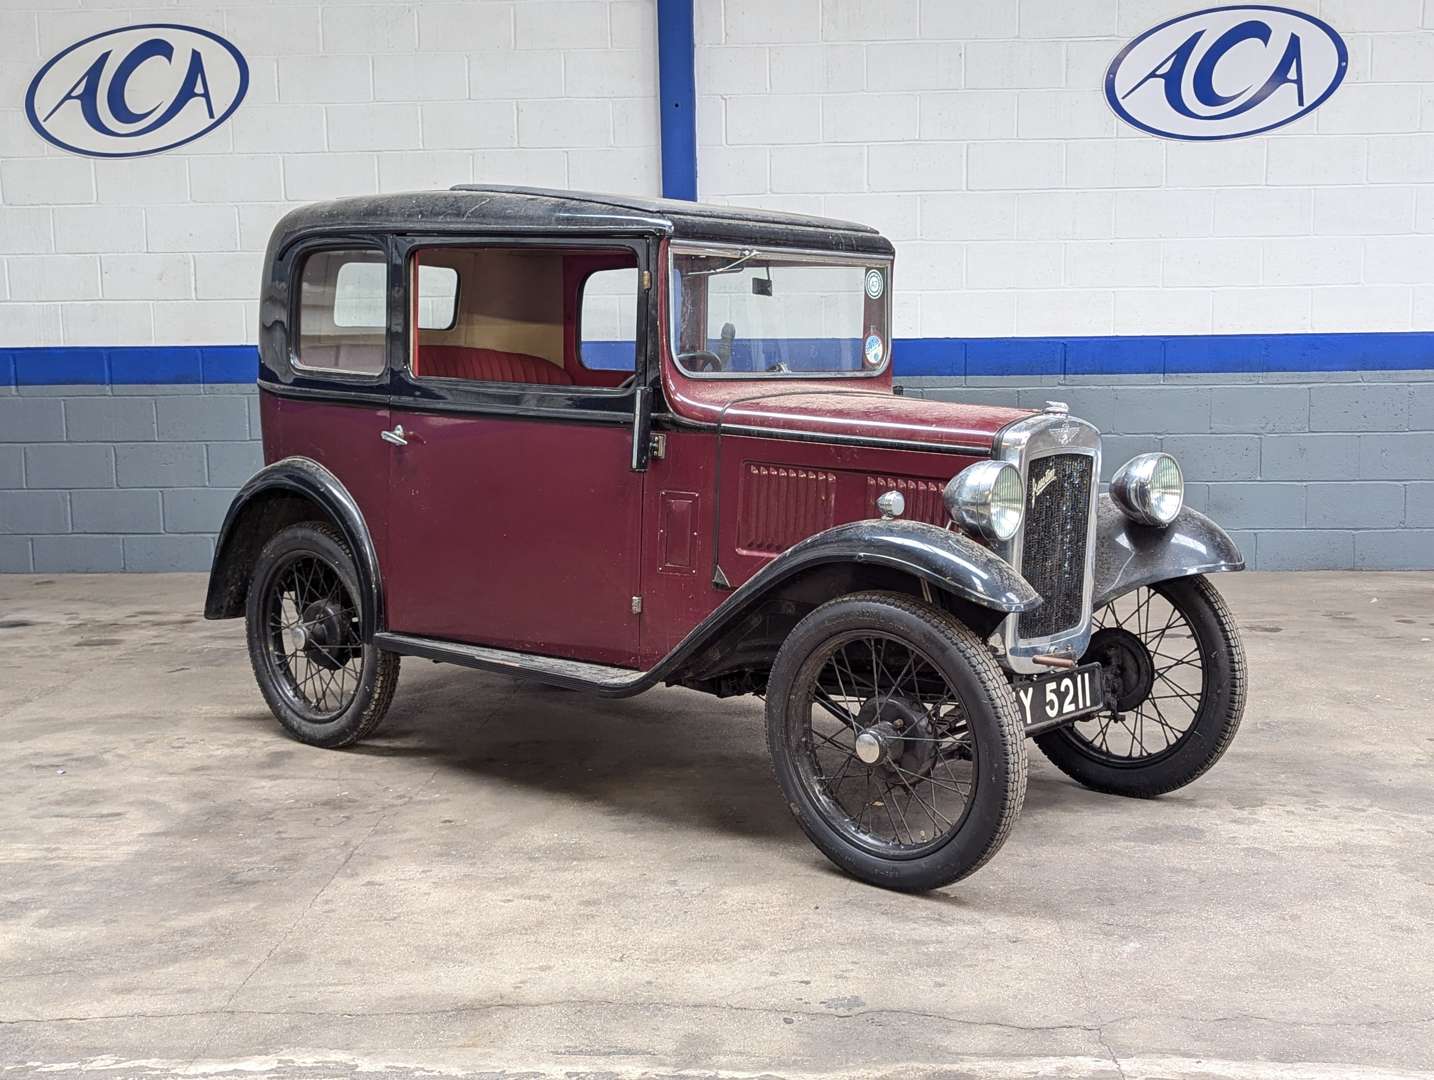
x: 1049, y: 699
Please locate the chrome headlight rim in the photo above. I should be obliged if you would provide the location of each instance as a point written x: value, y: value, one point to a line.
x: 987, y: 499
x: 1147, y: 492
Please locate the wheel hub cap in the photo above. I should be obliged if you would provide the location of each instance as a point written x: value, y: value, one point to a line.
x: 1127, y: 665
x: 319, y: 631
x: 869, y: 747
x: 893, y: 732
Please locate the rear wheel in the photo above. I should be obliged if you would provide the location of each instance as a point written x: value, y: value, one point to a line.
x: 1175, y: 688
x: 896, y: 741
x: 306, y: 640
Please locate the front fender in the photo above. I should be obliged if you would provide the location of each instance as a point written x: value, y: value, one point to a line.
x: 1128, y: 555
x: 948, y: 561
x: 284, y: 493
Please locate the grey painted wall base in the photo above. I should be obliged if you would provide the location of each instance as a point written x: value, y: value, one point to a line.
x: 1309, y: 471
x: 96, y: 481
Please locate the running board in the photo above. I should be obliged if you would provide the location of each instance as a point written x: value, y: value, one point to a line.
x: 601, y: 679
x: 569, y: 674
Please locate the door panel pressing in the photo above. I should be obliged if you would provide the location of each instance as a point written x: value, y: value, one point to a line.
x: 516, y: 533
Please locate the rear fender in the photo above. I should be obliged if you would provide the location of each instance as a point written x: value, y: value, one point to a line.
x: 284, y: 493
x: 1129, y: 555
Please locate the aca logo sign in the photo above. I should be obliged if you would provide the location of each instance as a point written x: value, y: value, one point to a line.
x: 137, y: 90
x: 1226, y: 72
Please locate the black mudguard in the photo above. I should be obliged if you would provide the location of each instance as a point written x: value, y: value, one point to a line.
x: 947, y: 561
x: 278, y: 495
x: 1128, y: 555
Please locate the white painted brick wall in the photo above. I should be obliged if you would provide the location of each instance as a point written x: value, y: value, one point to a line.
x: 1022, y: 206
x: 344, y: 99
x: 972, y: 133
x: 147, y: 277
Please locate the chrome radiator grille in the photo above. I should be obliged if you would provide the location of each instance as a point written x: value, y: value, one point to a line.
x: 1053, y: 548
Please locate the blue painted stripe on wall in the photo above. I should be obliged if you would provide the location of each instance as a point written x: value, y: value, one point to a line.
x: 130, y: 365
x: 1217, y: 354
x: 1161, y: 355
x: 677, y: 94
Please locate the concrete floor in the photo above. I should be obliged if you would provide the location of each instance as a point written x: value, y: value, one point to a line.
x: 528, y: 882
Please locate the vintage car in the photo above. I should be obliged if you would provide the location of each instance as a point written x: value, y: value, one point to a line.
x: 607, y: 443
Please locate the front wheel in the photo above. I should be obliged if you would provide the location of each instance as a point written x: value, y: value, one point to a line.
x: 895, y: 740
x: 306, y: 640
x: 1175, y: 692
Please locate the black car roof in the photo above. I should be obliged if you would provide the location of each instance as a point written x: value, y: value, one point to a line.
x: 512, y: 210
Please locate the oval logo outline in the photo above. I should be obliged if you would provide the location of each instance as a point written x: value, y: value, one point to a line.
x: 241, y: 67
x: 1113, y: 71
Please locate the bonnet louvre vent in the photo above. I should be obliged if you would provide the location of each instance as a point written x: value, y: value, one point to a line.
x: 781, y: 504
x: 923, y: 497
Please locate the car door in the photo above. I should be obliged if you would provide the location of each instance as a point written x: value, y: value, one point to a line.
x: 514, y: 510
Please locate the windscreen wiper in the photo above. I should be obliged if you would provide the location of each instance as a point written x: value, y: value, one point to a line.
x: 729, y: 268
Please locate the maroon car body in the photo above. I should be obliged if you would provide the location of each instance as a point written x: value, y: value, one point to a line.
x: 517, y: 493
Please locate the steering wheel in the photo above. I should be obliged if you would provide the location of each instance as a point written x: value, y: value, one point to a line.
x: 702, y: 360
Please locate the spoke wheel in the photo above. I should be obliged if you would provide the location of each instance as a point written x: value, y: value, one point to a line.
x: 887, y: 751
x: 896, y: 741
x: 1154, y: 679
x: 315, y: 652
x: 307, y: 639
x: 1174, y: 671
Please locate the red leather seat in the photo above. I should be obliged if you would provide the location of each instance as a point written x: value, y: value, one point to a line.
x: 487, y: 365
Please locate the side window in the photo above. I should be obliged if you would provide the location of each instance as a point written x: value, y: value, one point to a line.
x: 608, y: 323
x: 538, y: 316
x: 341, y: 314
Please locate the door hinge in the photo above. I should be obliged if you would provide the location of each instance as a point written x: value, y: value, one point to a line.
x: 659, y: 446
x: 637, y: 605
x: 647, y: 279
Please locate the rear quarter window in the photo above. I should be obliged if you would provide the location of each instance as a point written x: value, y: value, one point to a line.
x: 342, y: 322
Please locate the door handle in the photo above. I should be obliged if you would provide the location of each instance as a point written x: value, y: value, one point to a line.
x: 395, y: 436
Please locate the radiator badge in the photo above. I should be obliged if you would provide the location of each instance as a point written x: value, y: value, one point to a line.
x: 1043, y: 483
x: 1065, y: 432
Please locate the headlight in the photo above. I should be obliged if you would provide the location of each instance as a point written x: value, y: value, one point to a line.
x: 987, y: 498
x: 1149, y: 489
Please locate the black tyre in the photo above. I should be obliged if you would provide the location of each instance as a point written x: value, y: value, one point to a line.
x: 306, y: 641
x: 1175, y: 678
x: 895, y: 740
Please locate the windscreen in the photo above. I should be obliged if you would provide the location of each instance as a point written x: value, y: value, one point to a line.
x: 761, y: 313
